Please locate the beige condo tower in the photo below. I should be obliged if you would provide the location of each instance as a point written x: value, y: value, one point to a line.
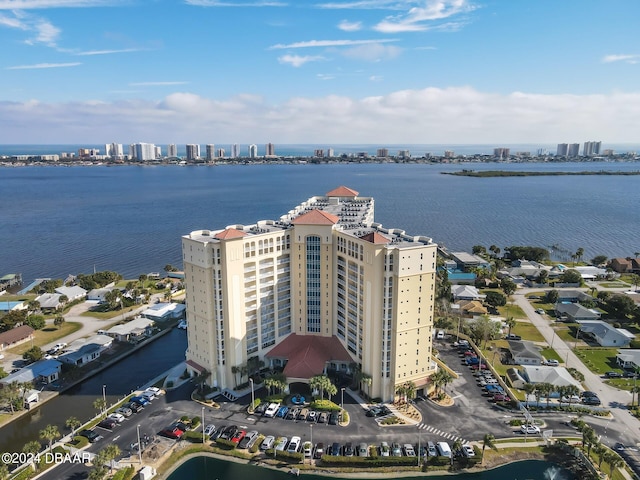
x: 322, y: 288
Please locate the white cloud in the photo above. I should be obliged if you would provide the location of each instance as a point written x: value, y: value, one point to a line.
x: 365, y: 5
x: 420, y: 18
x: 327, y: 43
x: 156, y: 84
x: 107, y: 52
x: 373, y: 52
x: 216, y: 3
x: 347, y: 26
x: 448, y: 115
x: 45, y: 32
x: 44, y: 65
x: 326, y: 76
x: 37, y: 4
x: 299, y: 60
x: 629, y: 58
x: 375, y: 78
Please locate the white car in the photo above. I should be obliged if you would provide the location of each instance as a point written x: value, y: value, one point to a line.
x: 118, y: 417
x: 468, y: 451
x: 530, y: 429
x: 282, y: 443
x: 294, y: 445
x: 307, y: 449
x: 553, y: 362
x: 209, y: 429
x: 267, y: 443
x: 408, y: 450
x: 570, y: 399
x: 271, y: 410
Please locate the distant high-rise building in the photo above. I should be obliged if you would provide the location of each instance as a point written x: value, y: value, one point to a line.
x: 542, y: 152
x: 404, y: 154
x: 88, y: 152
x: 211, y: 152
x: 158, y: 151
x: 330, y: 153
x: 235, y: 150
x: 221, y: 153
x: 501, y: 153
x: 382, y: 152
x: 574, y: 150
x: 562, y: 150
x: 608, y: 153
x: 270, y: 150
x: 114, y: 150
x: 449, y: 154
x: 132, y: 151
x: 144, y: 151
x: 591, y: 148
x: 318, y: 153
x: 253, y: 151
x: 193, y: 151
x: 172, y: 150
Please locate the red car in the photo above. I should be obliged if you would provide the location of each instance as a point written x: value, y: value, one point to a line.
x: 501, y: 397
x: 173, y: 431
x: 239, y: 435
x: 479, y: 366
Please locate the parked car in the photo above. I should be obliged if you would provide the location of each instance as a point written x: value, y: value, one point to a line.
x: 363, y: 450
x: 125, y: 411
x: 408, y: 450
x: 333, y: 418
x: 228, y: 432
x: 172, y: 431
x: 323, y: 417
x: 118, y: 417
x: 294, y: 445
x: 140, y: 401
x: 209, y: 430
x: 303, y: 414
x: 312, y: 416
x: 501, y: 397
x: 282, y: 443
x: 267, y: 443
x: 282, y: 411
x: 431, y: 449
x: 318, y: 450
x: 530, y: 429
x: 336, y: 450
x: 613, y: 375
x: 261, y: 408
x: 513, y: 336
x: 133, y: 406
x: 249, y: 439
x: 468, y: 451
x: 90, y: 435
x: 591, y: 401
x: 108, y: 423
x: 271, y: 410
x: 570, y: 399
x: 385, y: 451
x: 540, y: 311
x: 238, y: 436
x: 307, y: 449
x: 348, y: 450
x: 396, y: 451
x: 292, y: 414
x: 553, y: 362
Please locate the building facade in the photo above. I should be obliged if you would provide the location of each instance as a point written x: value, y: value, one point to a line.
x: 211, y: 152
x: 144, y: 151
x: 253, y: 151
x: 322, y: 288
x: 193, y: 151
x: 172, y: 150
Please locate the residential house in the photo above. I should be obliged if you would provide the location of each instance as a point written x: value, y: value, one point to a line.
x: 524, y: 352
x: 606, y: 335
x: 629, y: 359
x: 467, y: 261
x: 99, y: 294
x: 515, y: 378
x: 466, y: 292
x: 9, y: 280
x: 72, y: 293
x: 10, y: 306
x: 573, y: 296
x: 83, y: 351
x: 133, y: 331
x: 557, y: 376
x: 164, y: 311
x: 16, y: 336
x: 591, y: 273
x: 49, y: 302
x: 472, y: 308
x: 575, y: 312
x: 42, y: 371
x: 625, y: 265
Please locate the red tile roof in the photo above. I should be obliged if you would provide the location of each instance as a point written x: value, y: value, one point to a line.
x: 375, y: 237
x: 307, y: 355
x: 195, y: 366
x: 342, y: 191
x: 316, y: 217
x: 229, y: 233
x: 15, y: 335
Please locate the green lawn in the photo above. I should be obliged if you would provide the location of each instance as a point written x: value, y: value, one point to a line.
x: 47, y: 335
x: 598, y: 360
x: 103, y: 314
x: 551, y: 354
x: 511, y: 311
x: 567, y: 332
x: 527, y: 331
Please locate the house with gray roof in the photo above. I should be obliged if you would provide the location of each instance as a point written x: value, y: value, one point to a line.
x: 72, y: 293
x: 629, y: 358
x: 524, y: 352
x: 83, y: 351
x: 575, y: 312
x: 557, y: 376
x: 42, y: 371
x: 466, y: 292
x: 572, y: 296
x: 132, y: 331
x: 606, y: 335
x: 49, y: 301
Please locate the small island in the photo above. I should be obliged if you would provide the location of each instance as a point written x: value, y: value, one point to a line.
x: 504, y: 173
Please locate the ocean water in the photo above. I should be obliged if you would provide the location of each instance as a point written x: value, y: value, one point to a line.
x: 56, y: 221
x: 207, y: 468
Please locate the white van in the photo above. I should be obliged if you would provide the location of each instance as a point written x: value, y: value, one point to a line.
x: 444, y: 450
x: 440, y: 335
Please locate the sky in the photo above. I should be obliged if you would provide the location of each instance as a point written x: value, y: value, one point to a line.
x: 319, y: 71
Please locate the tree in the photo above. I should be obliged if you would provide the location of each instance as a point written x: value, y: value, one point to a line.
x: 620, y: 306
x: 551, y: 296
x: 98, y: 472
x: 599, y: 260
x: 33, y: 306
x: 58, y: 321
x: 571, y: 276
x: 34, y: 354
x: 478, y: 250
x: 49, y: 433
x: 508, y: 287
x: 110, y: 453
x: 571, y: 391
x: 32, y: 447
x: 170, y: 268
x: 546, y: 389
x: 4, y: 472
x: 320, y: 383
x: 63, y: 299
x: 543, y: 277
x: 410, y: 390
x: 600, y: 450
x: 488, y: 441
x: 537, y: 254
x: 579, y: 253
x: 113, y: 298
x: 484, y: 329
x: 11, y: 319
x: 510, y: 322
x: 73, y: 423
x: 11, y: 395
x: 142, y: 278
x: 614, y: 460
x: 589, y: 438
x: 401, y: 391
x: 100, y: 404
x: 235, y: 370
x: 495, y: 299
x: 331, y: 390
x: 495, y: 249
x: 36, y: 322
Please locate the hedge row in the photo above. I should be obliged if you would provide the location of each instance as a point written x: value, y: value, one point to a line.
x: 283, y: 454
x: 324, y: 405
x: 125, y: 474
x: 226, y: 444
x: 193, y: 437
x: 367, y: 461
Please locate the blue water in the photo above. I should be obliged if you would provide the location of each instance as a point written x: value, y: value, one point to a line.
x: 58, y: 221
x: 207, y: 468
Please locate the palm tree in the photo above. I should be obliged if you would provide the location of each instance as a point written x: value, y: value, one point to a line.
x: 367, y: 380
x: 546, y: 389
x: 614, y: 460
x: 110, y: 452
x: 457, y: 445
x: 528, y: 388
x: 510, y: 322
x: 571, y: 391
x: 600, y: 450
x: 331, y: 390
x: 4, y: 472
x: 589, y: 438
x: 58, y: 321
x: 49, y: 433
x: 100, y: 404
x: 488, y: 441
x: 32, y: 447
x: 235, y: 370
x: 410, y: 390
x: 73, y: 423
x: 401, y: 391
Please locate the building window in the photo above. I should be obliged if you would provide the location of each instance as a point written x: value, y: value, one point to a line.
x: 313, y: 283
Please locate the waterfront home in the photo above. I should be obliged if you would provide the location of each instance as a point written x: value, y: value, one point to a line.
x: 72, y: 293
x: 42, y: 371
x: 49, y: 302
x: 556, y: 376
x: 625, y: 265
x: 524, y: 352
x: 132, y: 331
x: 573, y: 296
x: 606, y: 335
x: 591, y: 273
x: 9, y: 280
x: 10, y: 306
x: 83, y: 351
x: 467, y: 261
x: 629, y: 359
x: 574, y: 312
x: 466, y: 292
x: 99, y: 294
x: 160, y: 312
x: 16, y: 336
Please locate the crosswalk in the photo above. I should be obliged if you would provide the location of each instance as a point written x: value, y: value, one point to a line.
x: 447, y: 435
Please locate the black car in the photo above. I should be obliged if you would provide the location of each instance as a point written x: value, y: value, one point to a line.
x: 229, y: 432
x: 591, y: 401
x: 90, y: 435
x: 108, y: 423
x: 613, y: 375
x: 133, y: 406
x: 335, y: 449
x: 333, y: 418
x: 261, y: 408
x: 347, y: 450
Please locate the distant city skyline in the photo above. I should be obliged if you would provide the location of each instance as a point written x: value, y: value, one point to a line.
x: 340, y: 71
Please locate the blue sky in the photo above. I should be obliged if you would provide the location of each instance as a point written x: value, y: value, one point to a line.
x: 319, y: 71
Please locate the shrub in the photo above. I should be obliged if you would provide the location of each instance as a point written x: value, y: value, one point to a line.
x: 185, y: 419
x: 193, y: 437
x: 195, y: 421
x: 294, y: 457
x: 254, y: 448
x: 125, y: 474
x: 369, y: 462
x: 79, y: 442
x: 324, y: 405
x: 225, y: 444
x: 438, y: 461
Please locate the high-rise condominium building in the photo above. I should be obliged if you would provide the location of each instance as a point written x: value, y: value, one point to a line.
x: 221, y: 153
x: 591, y: 148
x: 382, y: 152
x: 144, y: 151
x: 211, y: 152
x: 270, y: 150
x: 321, y: 288
x: 253, y: 151
x: 193, y: 151
x: 158, y: 151
x: 318, y: 153
x: 330, y: 152
x: 172, y: 150
x: 574, y: 150
x: 562, y: 150
x: 449, y: 154
x: 235, y: 150
x: 114, y: 150
x: 502, y: 153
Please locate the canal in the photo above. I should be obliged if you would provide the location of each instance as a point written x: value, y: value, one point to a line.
x: 119, y: 379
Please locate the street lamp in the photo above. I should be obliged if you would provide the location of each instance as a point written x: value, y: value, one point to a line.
x: 311, y: 440
x: 104, y: 398
x: 419, y: 444
x: 341, y: 402
x: 577, y: 335
x: 203, y: 425
x: 139, y: 445
x: 253, y: 401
